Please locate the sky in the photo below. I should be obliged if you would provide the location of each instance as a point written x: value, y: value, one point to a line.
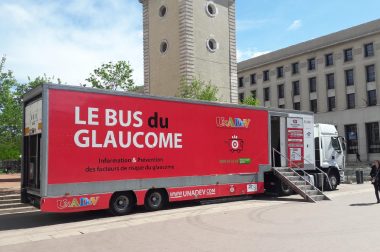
x: 68, y: 39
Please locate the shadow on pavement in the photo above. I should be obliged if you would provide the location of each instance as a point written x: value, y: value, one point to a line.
x: 363, y: 204
x: 39, y: 219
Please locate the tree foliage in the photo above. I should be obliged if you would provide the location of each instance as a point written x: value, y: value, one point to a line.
x: 9, y: 111
x: 113, y: 76
x: 251, y: 101
x: 11, y: 93
x: 197, y: 89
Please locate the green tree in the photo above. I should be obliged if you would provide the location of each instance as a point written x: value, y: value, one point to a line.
x: 197, y: 89
x: 251, y: 101
x: 113, y: 76
x: 9, y: 115
x: 11, y: 93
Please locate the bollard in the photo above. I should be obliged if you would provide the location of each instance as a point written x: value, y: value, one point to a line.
x: 359, y: 177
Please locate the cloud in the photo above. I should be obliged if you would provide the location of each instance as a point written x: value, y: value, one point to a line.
x: 249, y: 53
x: 69, y: 39
x: 295, y: 25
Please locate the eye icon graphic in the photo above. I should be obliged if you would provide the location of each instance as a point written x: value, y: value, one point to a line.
x: 235, y: 144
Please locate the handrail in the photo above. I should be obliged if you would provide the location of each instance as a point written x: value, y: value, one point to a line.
x: 324, y: 173
x: 274, y: 150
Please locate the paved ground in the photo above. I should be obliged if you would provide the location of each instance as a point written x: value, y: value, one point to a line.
x: 349, y: 222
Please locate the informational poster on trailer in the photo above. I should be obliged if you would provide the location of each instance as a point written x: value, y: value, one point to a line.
x: 295, y: 141
x: 103, y: 137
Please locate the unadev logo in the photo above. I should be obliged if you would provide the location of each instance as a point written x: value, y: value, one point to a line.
x: 77, y: 202
x: 231, y: 122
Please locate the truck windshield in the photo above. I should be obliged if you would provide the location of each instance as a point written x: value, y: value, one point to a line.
x: 335, y: 143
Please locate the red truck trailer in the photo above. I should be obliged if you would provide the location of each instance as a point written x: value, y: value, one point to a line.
x: 88, y: 149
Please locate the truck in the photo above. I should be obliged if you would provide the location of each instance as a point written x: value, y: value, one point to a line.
x: 90, y: 149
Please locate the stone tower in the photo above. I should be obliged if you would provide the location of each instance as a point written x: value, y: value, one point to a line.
x: 186, y: 39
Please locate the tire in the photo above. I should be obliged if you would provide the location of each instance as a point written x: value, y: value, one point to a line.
x: 333, y: 181
x: 122, y: 203
x: 283, y: 189
x: 155, y: 200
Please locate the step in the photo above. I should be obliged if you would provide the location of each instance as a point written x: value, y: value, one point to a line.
x: 283, y: 169
x: 312, y: 192
x: 9, y: 201
x: 13, y: 205
x: 300, y: 182
x: 9, y: 191
x: 10, y: 196
x: 306, y: 187
x: 318, y: 197
x: 286, y: 174
x: 295, y: 178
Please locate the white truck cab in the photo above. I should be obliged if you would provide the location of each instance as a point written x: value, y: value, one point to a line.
x: 329, y: 151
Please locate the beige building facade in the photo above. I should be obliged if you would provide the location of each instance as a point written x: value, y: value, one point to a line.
x: 186, y: 39
x: 337, y: 76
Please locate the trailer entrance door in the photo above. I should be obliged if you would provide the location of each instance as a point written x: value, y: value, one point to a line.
x: 278, y: 141
x: 32, y: 144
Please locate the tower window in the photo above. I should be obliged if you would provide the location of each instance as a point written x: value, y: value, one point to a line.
x: 211, y: 9
x: 164, y: 46
x: 212, y: 45
x: 162, y: 11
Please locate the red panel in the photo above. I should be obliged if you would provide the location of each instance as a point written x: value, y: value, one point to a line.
x: 211, y: 140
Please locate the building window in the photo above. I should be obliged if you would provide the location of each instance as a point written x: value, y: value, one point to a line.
x: 212, y: 45
x: 241, y: 82
x: 312, y: 84
x: 253, y: 79
x: 331, y: 103
x: 370, y: 73
x: 296, y: 88
x: 373, y: 137
x: 253, y: 94
x: 211, y: 9
x: 164, y: 46
x: 282, y: 106
x: 347, y: 55
x: 349, y: 77
x: 329, y: 59
x: 330, y: 81
x: 280, y: 72
x: 311, y: 64
x: 295, y: 68
x: 372, y: 98
x: 241, y: 97
x: 313, y: 105
x: 351, y: 101
x: 266, y: 94
x: 351, y: 138
x: 297, y: 106
x: 266, y: 75
x: 368, y: 50
x: 162, y: 11
x: 280, y: 89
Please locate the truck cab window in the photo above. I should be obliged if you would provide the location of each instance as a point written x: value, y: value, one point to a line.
x: 335, y: 144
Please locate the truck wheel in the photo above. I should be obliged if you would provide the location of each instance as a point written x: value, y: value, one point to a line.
x: 283, y: 189
x: 333, y: 181
x: 155, y: 200
x: 122, y: 203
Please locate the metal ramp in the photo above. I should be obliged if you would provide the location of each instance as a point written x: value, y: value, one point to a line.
x: 298, y: 184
